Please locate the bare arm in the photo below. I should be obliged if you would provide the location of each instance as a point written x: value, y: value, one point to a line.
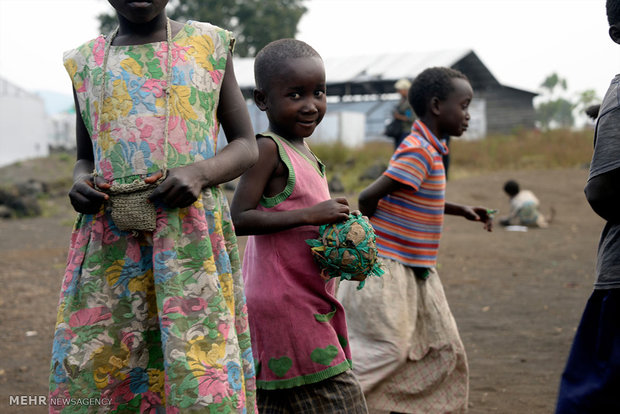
x: 400, y: 117
x: 184, y: 184
x: 370, y: 196
x: 603, y: 194
x: 84, y: 198
x: 241, y: 152
x: 470, y: 213
x: 248, y: 220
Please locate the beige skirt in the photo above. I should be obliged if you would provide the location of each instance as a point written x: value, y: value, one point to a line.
x: 406, y: 349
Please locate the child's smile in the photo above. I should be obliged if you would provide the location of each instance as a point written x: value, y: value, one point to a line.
x: 139, y: 4
x: 296, y: 99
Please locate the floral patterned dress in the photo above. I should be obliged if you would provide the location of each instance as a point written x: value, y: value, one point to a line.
x: 153, y: 320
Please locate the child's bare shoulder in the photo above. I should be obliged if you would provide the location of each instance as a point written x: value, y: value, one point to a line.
x: 266, y: 144
x: 269, y: 155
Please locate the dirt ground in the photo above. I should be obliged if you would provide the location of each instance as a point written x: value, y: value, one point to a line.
x: 517, y: 296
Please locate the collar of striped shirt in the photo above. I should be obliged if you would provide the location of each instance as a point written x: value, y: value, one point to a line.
x: 419, y: 128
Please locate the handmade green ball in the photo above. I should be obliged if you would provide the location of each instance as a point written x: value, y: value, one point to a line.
x: 346, y: 249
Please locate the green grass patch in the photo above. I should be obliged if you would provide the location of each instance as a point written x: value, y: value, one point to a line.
x: 553, y: 149
x: 558, y: 148
x: 351, y: 165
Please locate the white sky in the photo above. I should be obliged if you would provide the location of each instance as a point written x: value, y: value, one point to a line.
x: 520, y: 41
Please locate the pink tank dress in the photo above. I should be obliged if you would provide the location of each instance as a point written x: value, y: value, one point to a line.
x: 297, y: 325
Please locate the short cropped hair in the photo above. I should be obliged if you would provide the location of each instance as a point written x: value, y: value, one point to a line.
x: 432, y: 82
x: 511, y: 187
x: 613, y: 11
x: 271, y: 57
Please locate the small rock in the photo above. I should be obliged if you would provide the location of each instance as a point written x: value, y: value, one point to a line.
x: 335, y: 185
x: 31, y: 188
x: 5, y: 212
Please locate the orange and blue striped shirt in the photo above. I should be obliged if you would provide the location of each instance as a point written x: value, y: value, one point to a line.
x: 408, y: 222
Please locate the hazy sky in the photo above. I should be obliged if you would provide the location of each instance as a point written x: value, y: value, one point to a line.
x: 520, y: 41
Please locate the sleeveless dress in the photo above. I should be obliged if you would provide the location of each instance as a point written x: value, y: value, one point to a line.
x: 154, y: 319
x: 299, y: 333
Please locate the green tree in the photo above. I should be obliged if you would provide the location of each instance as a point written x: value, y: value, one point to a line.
x: 254, y: 22
x: 586, y: 99
x: 555, y: 110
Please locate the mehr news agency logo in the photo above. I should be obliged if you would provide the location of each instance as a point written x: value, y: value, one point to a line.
x: 31, y: 400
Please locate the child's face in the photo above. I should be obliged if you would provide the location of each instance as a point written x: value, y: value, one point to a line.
x: 296, y: 102
x: 454, y: 111
x: 139, y: 11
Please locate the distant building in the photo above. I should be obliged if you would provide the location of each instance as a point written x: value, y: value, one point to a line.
x: 365, y: 84
x: 23, y: 124
x: 62, y: 131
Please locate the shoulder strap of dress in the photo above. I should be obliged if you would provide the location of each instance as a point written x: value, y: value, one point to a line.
x: 290, y: 182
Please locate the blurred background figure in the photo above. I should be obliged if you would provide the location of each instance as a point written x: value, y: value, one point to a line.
x: 524, y: 208
x: 403, y: 116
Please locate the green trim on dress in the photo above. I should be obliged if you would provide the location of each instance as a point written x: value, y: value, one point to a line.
x: 306, y: 379
x: 320, y: 168
x: 269, y: 202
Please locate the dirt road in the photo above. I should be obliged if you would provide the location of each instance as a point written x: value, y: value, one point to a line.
x: 517, y: 297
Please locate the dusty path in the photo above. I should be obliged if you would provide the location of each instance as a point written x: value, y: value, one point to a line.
x: 517, y: 297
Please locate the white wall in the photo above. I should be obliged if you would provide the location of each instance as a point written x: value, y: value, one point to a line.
x: 23, y: 128
x: 348, y: 128
x: 478, y: 121
x: 62, y: 131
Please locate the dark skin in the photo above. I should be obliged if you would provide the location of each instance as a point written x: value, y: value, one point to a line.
x: 295, y: 104
x: 447, y: 117
x: 602, y: 191
x: 183, y: 185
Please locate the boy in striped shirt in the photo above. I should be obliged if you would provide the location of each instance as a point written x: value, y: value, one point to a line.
x: 406, y: 348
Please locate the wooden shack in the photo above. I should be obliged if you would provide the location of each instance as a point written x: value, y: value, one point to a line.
x: 366, y: 84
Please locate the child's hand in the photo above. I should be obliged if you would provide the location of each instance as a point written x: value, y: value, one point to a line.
x: 181, y: 188
x: 329, y: 211
x: 83, y: 195
x: 479, y: 214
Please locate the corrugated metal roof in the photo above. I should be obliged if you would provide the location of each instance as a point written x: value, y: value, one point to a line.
x: 342, y: 69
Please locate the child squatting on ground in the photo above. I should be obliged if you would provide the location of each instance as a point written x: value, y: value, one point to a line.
x: 155, y: 320
x: 299, y: 334
x: 407, y: 351
x: 591, y: 378
x: 524, y: 208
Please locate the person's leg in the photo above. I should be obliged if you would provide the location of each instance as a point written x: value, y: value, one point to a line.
x: 273, y: 401
x: 434, y: 378
x: 591, y: 379
x: 380, y: 319
x: 341, y: 394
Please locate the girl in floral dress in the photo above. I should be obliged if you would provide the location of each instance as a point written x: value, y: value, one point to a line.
x: 154, y: 321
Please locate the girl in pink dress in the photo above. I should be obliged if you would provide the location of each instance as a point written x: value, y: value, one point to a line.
x: 299, y: 334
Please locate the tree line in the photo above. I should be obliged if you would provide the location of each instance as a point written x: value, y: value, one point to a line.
x: 255, y: 23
